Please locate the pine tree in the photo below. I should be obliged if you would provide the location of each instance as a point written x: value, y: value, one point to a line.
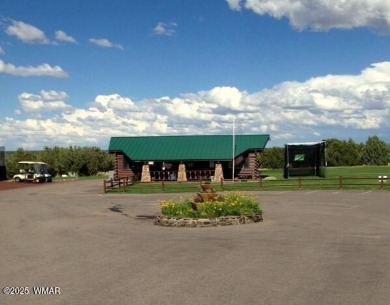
x: 375, y: 152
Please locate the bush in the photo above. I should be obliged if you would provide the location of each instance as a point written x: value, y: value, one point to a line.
x: 232, y: 204
x: 178, y: 208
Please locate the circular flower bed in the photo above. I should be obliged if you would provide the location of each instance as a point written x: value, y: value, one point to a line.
x: 227, y: 209
x: 206, y: 222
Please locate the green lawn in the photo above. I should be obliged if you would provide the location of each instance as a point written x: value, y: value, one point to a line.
x: 359, y: 171
x: 345, y: 171
x: 357, y: 177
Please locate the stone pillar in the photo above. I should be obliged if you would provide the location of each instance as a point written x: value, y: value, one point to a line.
x: 145, y: 176
x: 218, y: 174
x: 181, y: 174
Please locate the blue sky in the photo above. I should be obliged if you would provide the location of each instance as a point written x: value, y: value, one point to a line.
x: 78, y: 72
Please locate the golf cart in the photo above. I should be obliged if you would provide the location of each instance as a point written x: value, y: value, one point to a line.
x: 32, y: 171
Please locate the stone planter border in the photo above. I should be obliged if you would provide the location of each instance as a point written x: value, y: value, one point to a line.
x: 168, y: 221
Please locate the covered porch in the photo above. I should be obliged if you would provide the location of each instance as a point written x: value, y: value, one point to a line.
x: 187, y: 158
x: 181, y: 171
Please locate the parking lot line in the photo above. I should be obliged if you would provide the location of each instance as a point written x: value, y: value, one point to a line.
x: 310, y: 192
x: 366, y: 192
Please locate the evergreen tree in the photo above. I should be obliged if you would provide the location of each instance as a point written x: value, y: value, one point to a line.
x: 375, y: 152
x: 343, y: 153
x: 333, y: 155
x: 272, y: 158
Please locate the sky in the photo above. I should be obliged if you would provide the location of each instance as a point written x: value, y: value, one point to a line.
x: 78, y: 72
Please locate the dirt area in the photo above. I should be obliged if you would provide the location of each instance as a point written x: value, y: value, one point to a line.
x: 9, y: 185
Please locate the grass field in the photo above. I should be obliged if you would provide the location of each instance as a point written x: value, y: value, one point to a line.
x: 346, y: 171
x: 357, y: 177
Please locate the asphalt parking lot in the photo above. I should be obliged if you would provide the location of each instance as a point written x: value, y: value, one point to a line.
x: 314, y: 248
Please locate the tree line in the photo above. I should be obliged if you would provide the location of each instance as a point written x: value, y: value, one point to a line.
x: 89, y: 161
x: 83, y: 161
x: 338, y: 153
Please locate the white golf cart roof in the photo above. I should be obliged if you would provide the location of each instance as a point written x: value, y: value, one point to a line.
x: 31, y: 162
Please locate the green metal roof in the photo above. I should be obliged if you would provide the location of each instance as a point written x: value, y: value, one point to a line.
x: 181, y: 148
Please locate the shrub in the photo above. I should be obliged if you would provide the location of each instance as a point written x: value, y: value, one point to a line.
x: 181, y: 208
x: 231, y: 204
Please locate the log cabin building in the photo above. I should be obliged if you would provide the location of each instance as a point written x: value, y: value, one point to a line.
x: 187, y: 158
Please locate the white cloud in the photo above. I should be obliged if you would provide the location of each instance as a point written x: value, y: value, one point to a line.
x: 41, y: 70
x: 340, y: 106
x: 323, y: 15
x: 26, y: 32
x: 46, y: 101
x: 105, y: 43
x: 228, y: 97
x: 235, y: 5
x: 165, y: 29
x: 114, y: 102
x: 62, y: 36
x: 54, y: 95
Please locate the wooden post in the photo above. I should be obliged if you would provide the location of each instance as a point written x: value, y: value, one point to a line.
x: 341, y: 182
x: 300, y: 183
x: 261, y: 182
x: 125, y: 183
x: 222, y: 184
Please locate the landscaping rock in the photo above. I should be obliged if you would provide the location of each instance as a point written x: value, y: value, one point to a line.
x: 206, y: 222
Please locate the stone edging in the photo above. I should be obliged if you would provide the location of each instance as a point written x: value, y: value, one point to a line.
x: 167, y: 221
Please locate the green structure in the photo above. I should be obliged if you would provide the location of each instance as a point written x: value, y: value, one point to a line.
x: 200, y: 154
x: 305, y: 159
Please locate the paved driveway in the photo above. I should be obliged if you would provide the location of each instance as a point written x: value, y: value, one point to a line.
x: 314, y: 248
